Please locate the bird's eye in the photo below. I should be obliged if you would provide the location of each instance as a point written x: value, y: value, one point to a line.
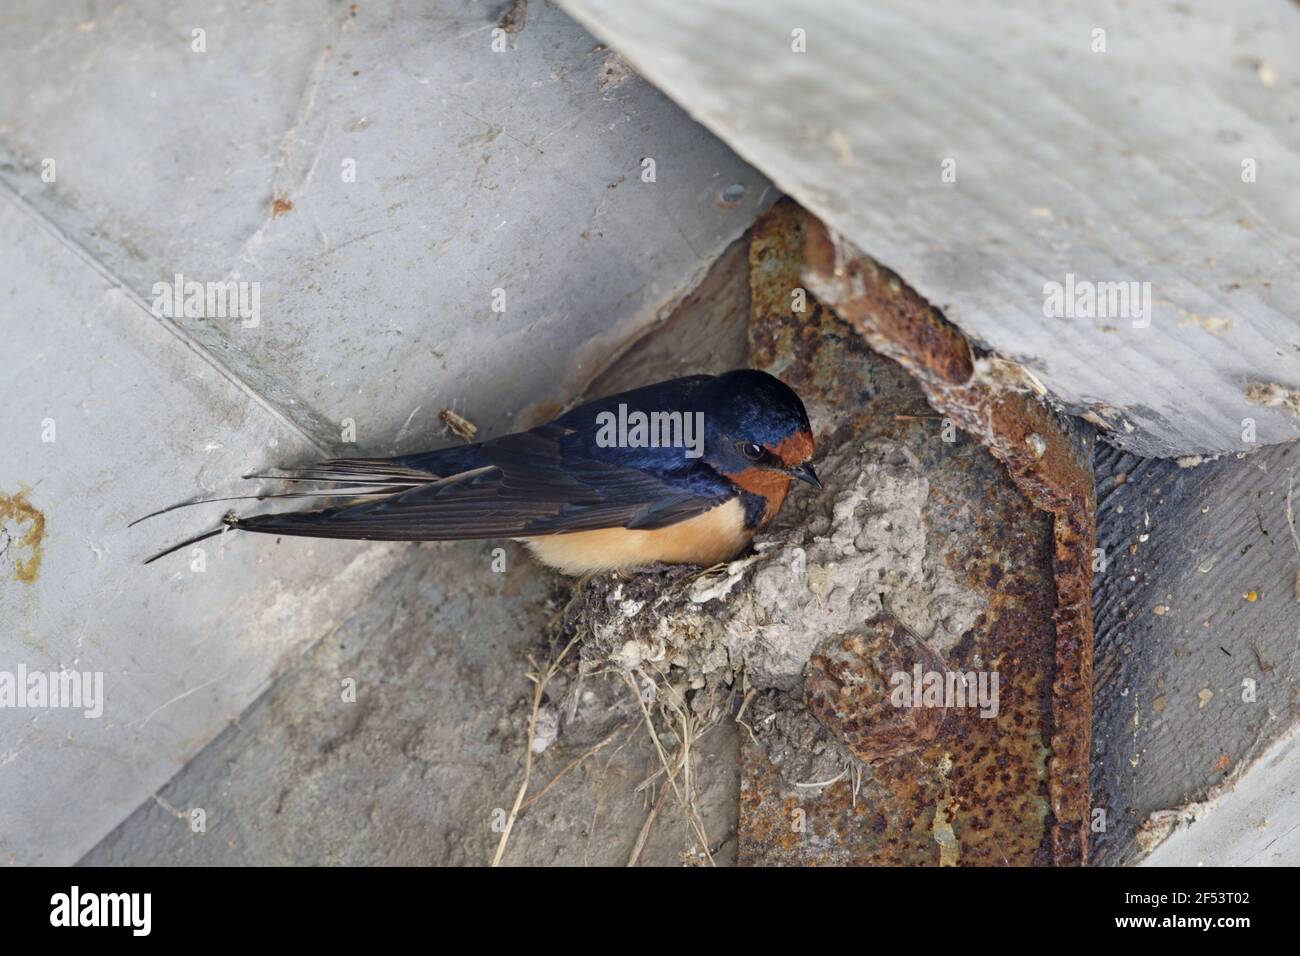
x: 751, y: 450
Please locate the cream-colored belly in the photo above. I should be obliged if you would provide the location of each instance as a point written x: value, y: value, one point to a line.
x: 716, y: 535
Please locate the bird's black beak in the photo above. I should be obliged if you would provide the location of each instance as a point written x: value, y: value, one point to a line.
x: 806, y: 473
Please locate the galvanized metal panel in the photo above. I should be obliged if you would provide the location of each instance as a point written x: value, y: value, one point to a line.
x: 1122, y: 165
x: 475, y: 170
x: 104, y: 417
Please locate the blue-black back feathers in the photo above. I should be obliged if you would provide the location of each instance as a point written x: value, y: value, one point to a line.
x: 555, y: 478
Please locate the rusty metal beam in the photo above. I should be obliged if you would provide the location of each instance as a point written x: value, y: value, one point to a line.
x: 1001, y: 405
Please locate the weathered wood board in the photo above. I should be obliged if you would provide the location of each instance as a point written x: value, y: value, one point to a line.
x: 985, y: 150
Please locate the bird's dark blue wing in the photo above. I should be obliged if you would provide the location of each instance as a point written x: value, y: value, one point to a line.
x: 538, y: 482
x: 674, y: 395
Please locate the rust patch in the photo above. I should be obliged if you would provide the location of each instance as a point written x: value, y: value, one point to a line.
x: 280, y: 206
x: 28, y: 534
x: 848, y: 690
x: 997, y: 402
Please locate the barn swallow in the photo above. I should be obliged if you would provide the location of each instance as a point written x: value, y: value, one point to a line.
x: 681, y: 472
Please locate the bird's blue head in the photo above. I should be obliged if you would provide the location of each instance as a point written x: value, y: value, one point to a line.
x: 757, y: 432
